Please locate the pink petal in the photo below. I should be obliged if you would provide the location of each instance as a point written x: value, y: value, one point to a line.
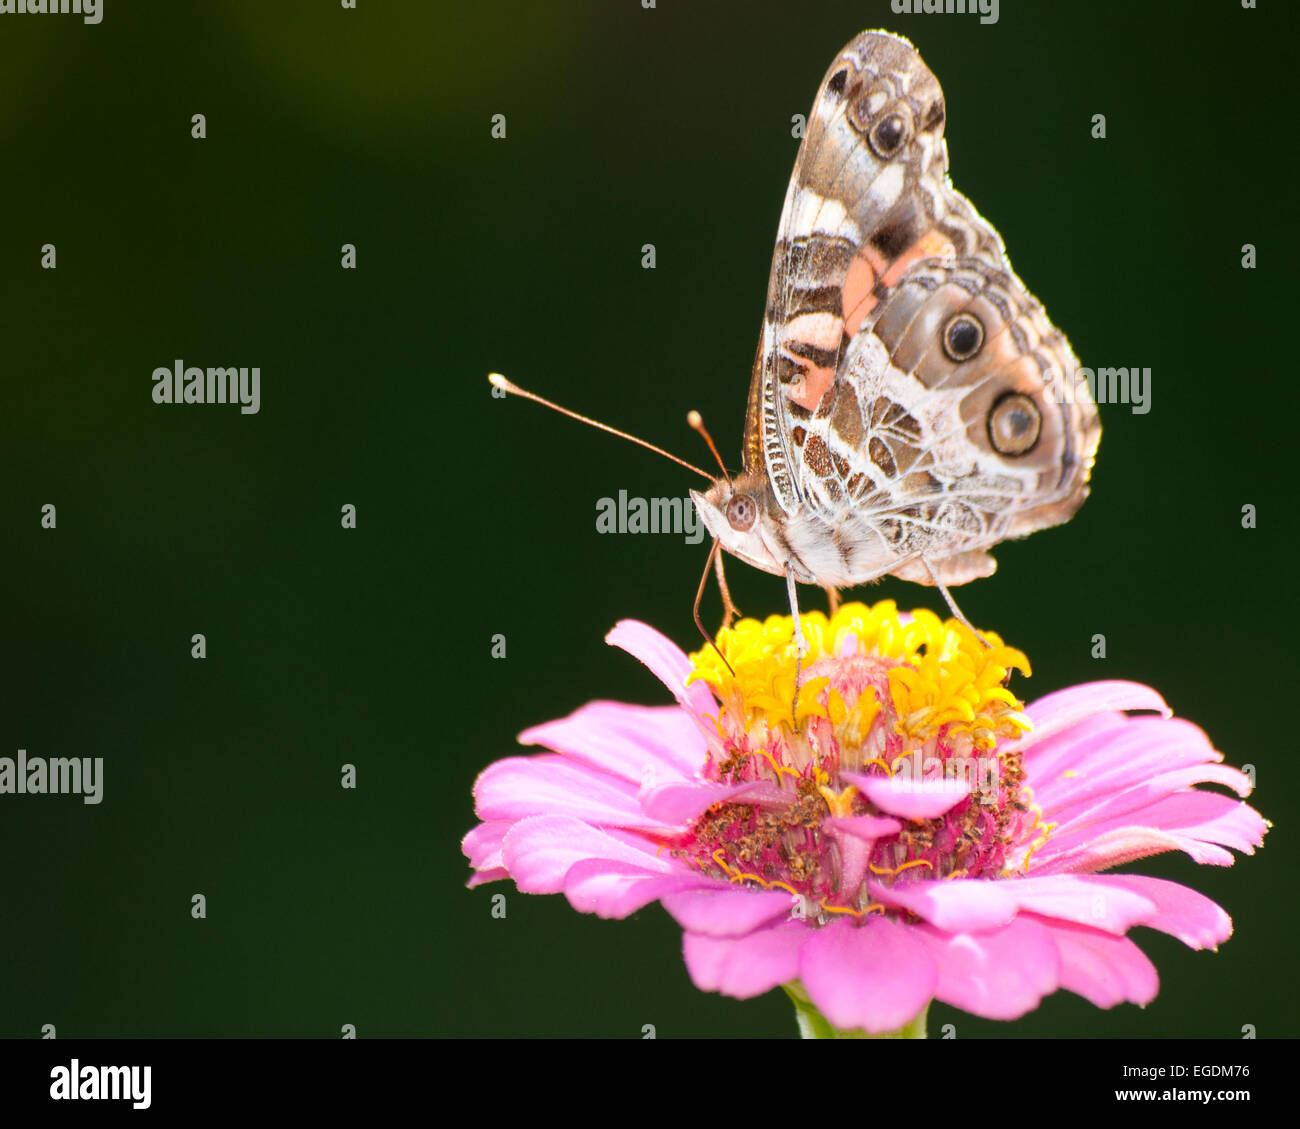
x: 666, y: 661
x: 547, y: 784
x: 616, y: 889
x: 1129, y: 802
x: 999, y: 975
x: 676, y: 805
x: 646, y: 745
x: 1103, y: 757
x: 869, y: 828
x: 1105, y: 970
x: 1205, y: 814
x: 482, y: 846
x: 1086, y: 899
x: 745, y: 966
x: 1181, y: 912
x: 964, y: 905
x: 1055, y: 712
x: 726, y: 910
x: 1190, y: 821
x: 855, y: 836
x: 871, y: 976
x: 1146, y: 759
x: 1127, y: 844
x: 1051, y: 760
x: 908, y: 797
x: 540, y: 850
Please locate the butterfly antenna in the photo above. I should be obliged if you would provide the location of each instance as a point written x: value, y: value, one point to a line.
x: 695, y: 611
x: 697, y: 422
x: 499, y: 381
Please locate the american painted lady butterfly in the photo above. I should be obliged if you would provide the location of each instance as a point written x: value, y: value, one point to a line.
x: 910, y: 406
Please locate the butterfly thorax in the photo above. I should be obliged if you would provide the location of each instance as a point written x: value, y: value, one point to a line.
x: 842, y: 547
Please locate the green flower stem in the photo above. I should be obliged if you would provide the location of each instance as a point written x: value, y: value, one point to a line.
x: 814, y: 1025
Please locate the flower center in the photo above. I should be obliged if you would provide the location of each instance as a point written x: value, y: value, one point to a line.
x: 888, y: 768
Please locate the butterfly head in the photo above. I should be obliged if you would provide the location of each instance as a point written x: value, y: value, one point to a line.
x: 744, y: 517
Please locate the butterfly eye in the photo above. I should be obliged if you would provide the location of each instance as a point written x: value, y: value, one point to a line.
x: 1014, y: 424
x: 741, y: 512
x: 887, y: 135
x: 963, y: 337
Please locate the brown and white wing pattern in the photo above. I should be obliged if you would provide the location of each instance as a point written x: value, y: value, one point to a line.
x: 909, y: 399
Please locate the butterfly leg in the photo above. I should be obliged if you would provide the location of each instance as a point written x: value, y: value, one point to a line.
x: 729, y: 609
x: 800, y: 641
x: 833, y: 597
x: 952, y: 604
x: 800, y: 644
x: 699, y: 595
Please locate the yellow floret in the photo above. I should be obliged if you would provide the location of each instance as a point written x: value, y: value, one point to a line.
x: 942, y: 674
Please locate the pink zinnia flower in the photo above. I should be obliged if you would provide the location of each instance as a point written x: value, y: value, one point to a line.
x: 915, y: 833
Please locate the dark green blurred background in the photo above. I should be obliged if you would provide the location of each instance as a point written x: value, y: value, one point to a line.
x: 476, y: 516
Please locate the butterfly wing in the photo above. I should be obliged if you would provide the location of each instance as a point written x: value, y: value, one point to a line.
x: 910, y: 400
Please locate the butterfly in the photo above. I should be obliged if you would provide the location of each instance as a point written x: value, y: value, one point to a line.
x: 910, y: 404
